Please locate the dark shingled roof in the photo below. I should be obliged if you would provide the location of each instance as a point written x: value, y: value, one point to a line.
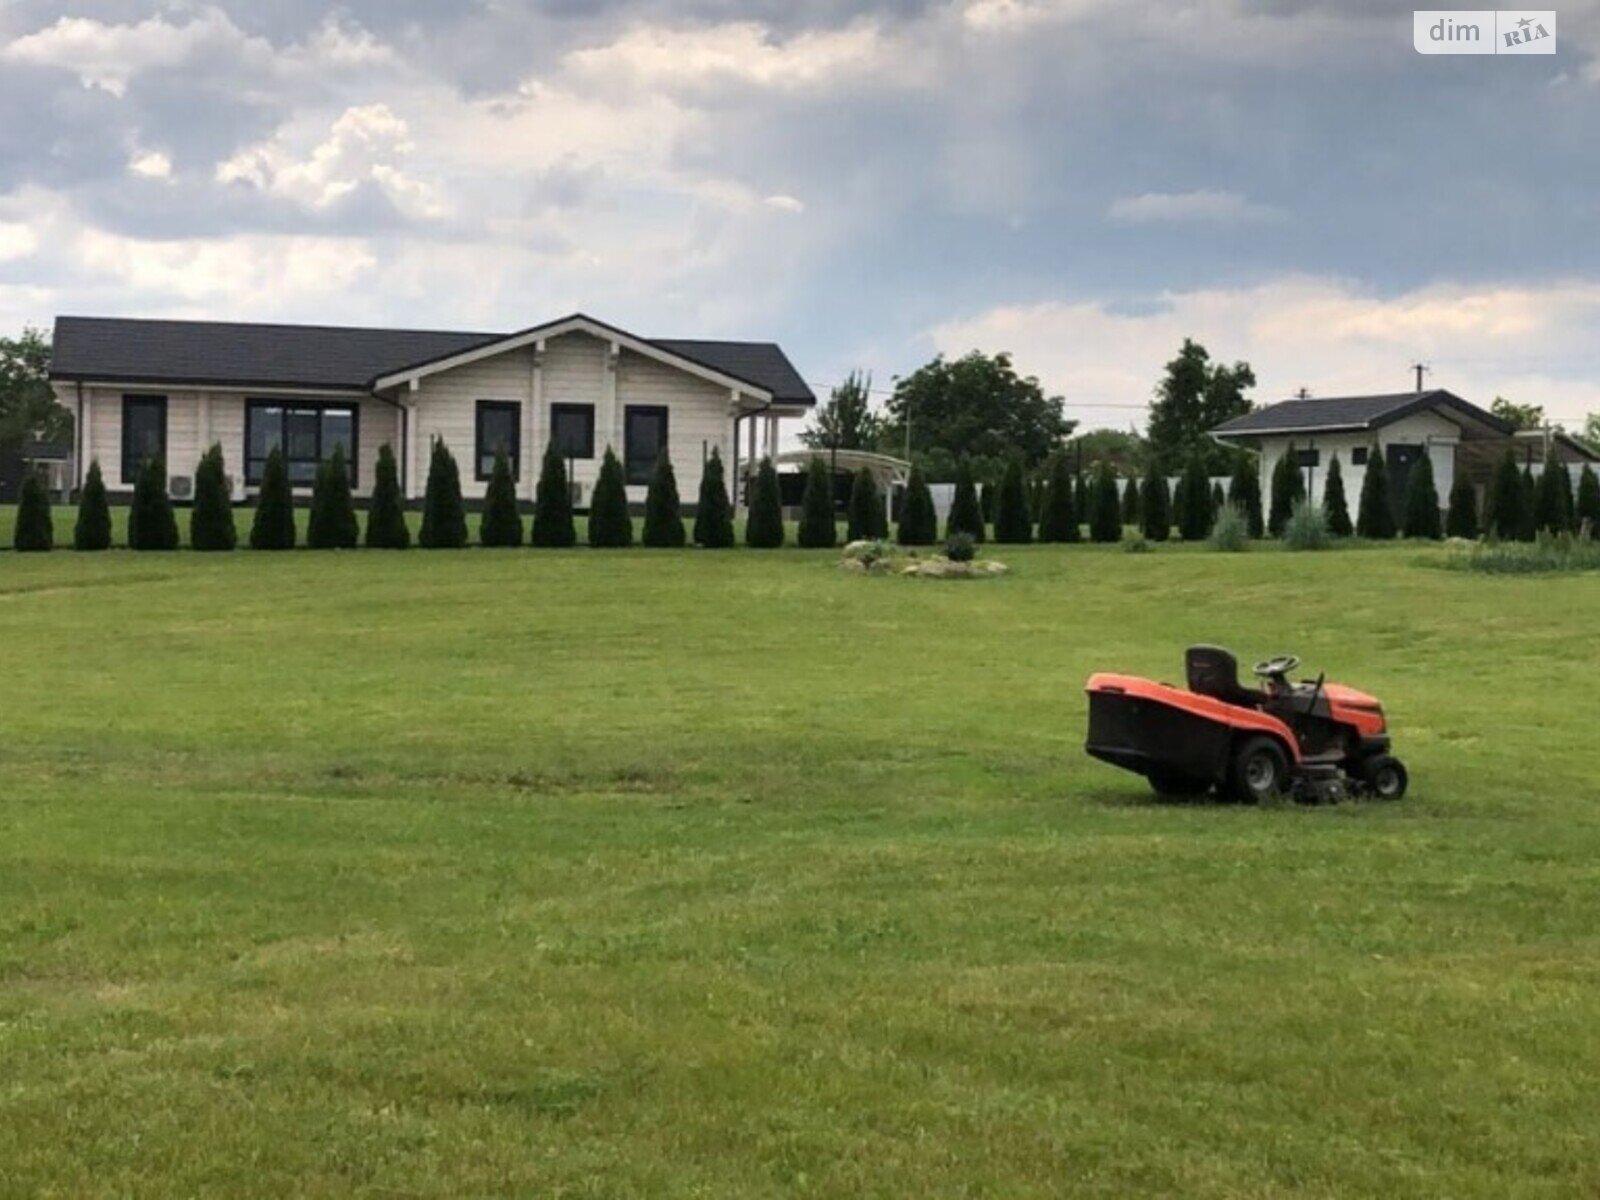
x: 1332, y: 413
x: 225, y: 354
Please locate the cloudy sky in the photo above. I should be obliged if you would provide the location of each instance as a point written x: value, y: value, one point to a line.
x: 1081, y: 182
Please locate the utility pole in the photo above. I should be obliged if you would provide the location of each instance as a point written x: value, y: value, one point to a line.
x: 1421, y: 369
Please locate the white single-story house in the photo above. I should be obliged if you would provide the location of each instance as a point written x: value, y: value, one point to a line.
x: 1460, y: 439
x: 141, y: 388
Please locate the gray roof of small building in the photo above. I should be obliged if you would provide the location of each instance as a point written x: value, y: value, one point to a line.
x: 1329, y: 414
x: 229, y: 354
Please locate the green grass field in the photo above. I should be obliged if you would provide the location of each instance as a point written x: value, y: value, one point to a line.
x: 697, y: 874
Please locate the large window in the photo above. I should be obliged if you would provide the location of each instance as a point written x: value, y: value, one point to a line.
x: 644, y: 437
x: 572, y: 429
x: 306, y: 433
x: 499, y: 432
x: 144, y: 433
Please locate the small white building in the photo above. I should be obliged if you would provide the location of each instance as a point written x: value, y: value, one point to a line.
x: 1459, y: 438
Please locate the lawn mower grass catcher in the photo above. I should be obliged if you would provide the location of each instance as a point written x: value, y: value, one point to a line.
x: 1318, y: 741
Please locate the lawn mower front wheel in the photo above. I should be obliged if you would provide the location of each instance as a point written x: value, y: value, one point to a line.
x: 1386, y: 777
x: 1260, y: 770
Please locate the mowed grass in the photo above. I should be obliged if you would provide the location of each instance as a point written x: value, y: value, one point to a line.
x: 699, y: 874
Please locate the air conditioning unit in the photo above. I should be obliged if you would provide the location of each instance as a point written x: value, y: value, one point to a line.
x: 181, y: 487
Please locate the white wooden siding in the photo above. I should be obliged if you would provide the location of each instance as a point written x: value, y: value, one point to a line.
x: 1428, y: 429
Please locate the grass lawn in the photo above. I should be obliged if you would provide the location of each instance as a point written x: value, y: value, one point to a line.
x: 698, y: 874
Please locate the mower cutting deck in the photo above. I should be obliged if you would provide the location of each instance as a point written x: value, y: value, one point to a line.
x: 1320, y: 741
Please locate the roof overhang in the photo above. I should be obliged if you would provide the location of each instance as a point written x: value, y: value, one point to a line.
x: 578, y: 323
x: 1473, y: 422
x: 192, y: 385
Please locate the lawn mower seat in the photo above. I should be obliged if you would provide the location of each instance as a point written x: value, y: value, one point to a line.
x: 1214, y: 672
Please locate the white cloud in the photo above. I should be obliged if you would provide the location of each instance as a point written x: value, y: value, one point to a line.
x: 1222, y: 208
x: 365, y: 144
x: 151, y: 165
x: 788, y: 204
x: 109, y: 56
x: 17, y: 241
x: 247, y: 273
x: 1323, y: 334
x: 740, y: 51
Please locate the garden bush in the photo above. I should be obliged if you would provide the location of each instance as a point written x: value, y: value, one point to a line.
x: 1422, y: 502
x: 553, y: 526
x: 1137, y: 543
x: 211, y: 525
x: 1012, y: 525
x: 501, y: 524
x: 663, y: 520
x: 1132, y: 510
x: 1059, y: 520
x: 1307, y: 527
x: 1105, y: 507
x: 1193, y: 503
x: 1530, y: 499
x: 1462, y: 520
x: 444, y: 513
x: 867, y: 518
x: 333, y: 524
x: 1230, y: 532
x: 961, y: 547
x: 273, y: 527
x: 386, y: 517
x: 1288, y: 489
x: 152, y: 524
x: 1548, y: 553
x: 713, y: 518
x: 1506, y: 516
x: 763, y: 529
x: 1156, y: 505
x: 818, y: 529
x: 1552, y: 497
x: 610, y: 526
x: 1375, y: 515
x: 35, y: 531
x: 1588, y: 503
x: 93, y: 530
x: 966, y: 514
x: 1334, y: 503
x: 919, y: 521
x: 1244, y: 493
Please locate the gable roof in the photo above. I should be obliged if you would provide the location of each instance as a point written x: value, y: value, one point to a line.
x: 231, y: 354
x: 1341, y: 414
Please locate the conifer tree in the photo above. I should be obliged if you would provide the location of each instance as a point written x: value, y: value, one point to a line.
x: 93, y: 530
x: 273, y: 527
x: 444, y: 513
x: 919, y: 520
x: 1422, y: 502
x: 501, y: 522
x: 386, y: 517
x: 1374, y: 514
x: 1105, y: 506
x: 553, y: 526
x: 1530, y: 496
x: 713, y: 517
x: 1059, y: 521
x: 818, y: 528
x: 1588, y: 505
x: 1552, y: 497
x: 333, y: 524
x: 1157, y: 505
x: 151, y: 522
x: 1505, y: 517
x: 986, y: 500
x: 1012, y: 527
x: 1193, y: 509
x: 1244, y: 493
x: 1080, y: 495
x: 610, y: 526
x: 867, y: 518
x: 663, y: 522
x: 35, y: 531
x: 1219, y: 500
x: 1132, y: 514
x: 763, y: 529
x: 211, y: 525
x: 1334, y: 505
x: 1462, y: 521
x: 1288, y: 489
x: 966, y: 514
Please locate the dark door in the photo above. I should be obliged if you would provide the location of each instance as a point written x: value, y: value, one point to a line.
x: 1400, y: 460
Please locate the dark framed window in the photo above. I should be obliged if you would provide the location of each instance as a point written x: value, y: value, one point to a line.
x: 1358, y: 457
x: 499, y: 431
x: 644, y: 437
x: 307, y: 433
x: 1308, y: 458
x: 572, y: 429
x: 144, y: 433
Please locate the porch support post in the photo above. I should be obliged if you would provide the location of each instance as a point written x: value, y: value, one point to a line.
x: 613, y: 404
x: 413, y: 432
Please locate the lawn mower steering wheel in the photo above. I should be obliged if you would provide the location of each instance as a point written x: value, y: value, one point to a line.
x: 1277, y: 668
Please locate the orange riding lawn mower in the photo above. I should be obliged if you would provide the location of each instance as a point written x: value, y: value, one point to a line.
x: 1317, y: 741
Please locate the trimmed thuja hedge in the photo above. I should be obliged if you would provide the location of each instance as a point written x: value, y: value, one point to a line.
x: 1462, y: 520
x: 713, y: 518
x: 1132, y: 510
x: 663, y: 516
x: 502, y: 522
x: 1552, y: 496
x: 1375, y: 516
x: 553, y: 526
x: 273, y: 527
x: 444, y: 514
x: 93, y: 529
x: 151, y: 522
x: 1422, y: 502
x: 966, y: 513
x: 1244, y: 493
x: 867, y: 518
x: 1589, y: 500
x: 1507, y: 516
x: 1105, y: 506
x: 1156, y: 506
x: 764, y: 529
x: 1193, y: 503
x: 818, y: 530
x: 1334, y: 505
x: 386, y: 517
x: 1059, y: 520
x: 211, y: 525
x: 919, y: 521
x: 610, y: 526
x: 1012, y: 525
x: 35, y: 531
x: 333, y: 523
x: 1288, y: 489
